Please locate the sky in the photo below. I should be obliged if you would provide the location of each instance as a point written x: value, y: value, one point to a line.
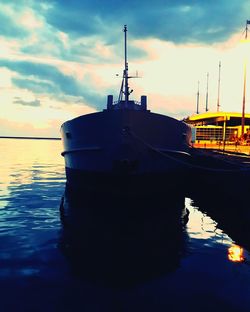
x: 61, y: 58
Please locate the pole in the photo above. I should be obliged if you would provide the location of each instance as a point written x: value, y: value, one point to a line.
x: 218, y: 98
x: 244, y: 101
x: 244, y: 91
x: 126, y: 67
x: 207, y: 94
x: 198, y: 98
x: 224, y: 132
x: 247, y: 22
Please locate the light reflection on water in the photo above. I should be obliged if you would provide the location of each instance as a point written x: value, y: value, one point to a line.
x: 32, y: 179
x: 201, y: 226
x: 236, y: 253
x: 35, y: 269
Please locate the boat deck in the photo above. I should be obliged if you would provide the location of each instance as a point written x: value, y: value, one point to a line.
x: 233, y: 157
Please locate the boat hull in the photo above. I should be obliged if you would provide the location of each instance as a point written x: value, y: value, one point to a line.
x: 124, y: 144
x: 134, y: 185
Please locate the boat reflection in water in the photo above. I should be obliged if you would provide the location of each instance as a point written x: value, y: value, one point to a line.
x: 118, y: 241
x: 232, y: 216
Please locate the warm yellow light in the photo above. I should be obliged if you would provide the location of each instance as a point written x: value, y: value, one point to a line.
x: 244, y: 40
x: 235, y: 253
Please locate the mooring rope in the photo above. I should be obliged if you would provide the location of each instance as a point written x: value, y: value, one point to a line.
x: 190, y: 166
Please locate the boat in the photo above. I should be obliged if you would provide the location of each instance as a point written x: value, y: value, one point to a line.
x: 125, y: 146
x: 218, y: 172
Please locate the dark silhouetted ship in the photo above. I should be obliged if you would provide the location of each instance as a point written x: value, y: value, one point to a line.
x: 125, y: 147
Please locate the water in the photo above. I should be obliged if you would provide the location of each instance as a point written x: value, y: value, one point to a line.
x: 107, y: 256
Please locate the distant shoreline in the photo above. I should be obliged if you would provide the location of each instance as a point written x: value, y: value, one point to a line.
x: 28, y: 138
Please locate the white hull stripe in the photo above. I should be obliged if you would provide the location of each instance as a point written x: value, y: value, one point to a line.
x: 75, y: 150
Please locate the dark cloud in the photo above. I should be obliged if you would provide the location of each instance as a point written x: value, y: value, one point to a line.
x: 47, y: 75
x: 34, y: 103
x: 9, y: 27
x: 82, y: 52
x: 87, y: 24
x: 47, y: 79
x: 38, y: 87
x: 179, y: 21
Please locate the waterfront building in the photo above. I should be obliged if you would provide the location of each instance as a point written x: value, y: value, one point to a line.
x: 218, y: 127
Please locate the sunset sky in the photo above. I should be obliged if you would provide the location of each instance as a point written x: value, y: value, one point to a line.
x: 59, y: 58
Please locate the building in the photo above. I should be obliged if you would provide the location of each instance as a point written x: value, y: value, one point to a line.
x: 216, y: 127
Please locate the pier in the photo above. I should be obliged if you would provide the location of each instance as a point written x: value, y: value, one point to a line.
x: 234, y: 149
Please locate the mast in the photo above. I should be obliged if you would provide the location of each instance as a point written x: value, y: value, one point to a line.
x: 246, y: 29
x: 198, y: 98
x: 244, y: 101
x: 244, y: 88
x: 207, y: 93
x: 218, y: 98
x: 125, y: 73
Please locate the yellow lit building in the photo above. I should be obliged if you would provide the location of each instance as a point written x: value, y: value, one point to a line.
x: 212, y: 127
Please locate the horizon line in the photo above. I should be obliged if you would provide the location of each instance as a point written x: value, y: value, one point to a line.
x: 28, y: 137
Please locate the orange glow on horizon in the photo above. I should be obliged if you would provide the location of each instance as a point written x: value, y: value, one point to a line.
x: 235, y: 253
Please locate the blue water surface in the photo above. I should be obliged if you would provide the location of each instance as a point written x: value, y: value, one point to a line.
x: 106, y: 256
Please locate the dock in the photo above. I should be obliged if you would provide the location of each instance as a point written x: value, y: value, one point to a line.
x: 237, y: 158
x: 220, y: 173
x: 227, y: 148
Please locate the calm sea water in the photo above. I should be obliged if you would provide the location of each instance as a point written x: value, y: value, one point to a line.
x: 105, y: 256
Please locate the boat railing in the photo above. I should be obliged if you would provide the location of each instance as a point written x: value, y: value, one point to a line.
x: 130, y: 104
x: 135, y: 102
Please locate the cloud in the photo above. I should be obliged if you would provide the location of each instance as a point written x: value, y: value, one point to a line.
x: 34, y: 103
x: 83, y: 30
x: 36, y: 86
x: 179, y: 21
x: 58, y: 48
x: 44, y: 78
x: 75, y: 30
x: 9, y: 27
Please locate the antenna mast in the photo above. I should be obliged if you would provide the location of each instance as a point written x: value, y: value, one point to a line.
x: 244, y: 101
x: 244, y: 88
x: 198, y: 98
x: 218, y: 98
x: 246, y: 29
x: 207, y: 93
x: 125, y: 74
